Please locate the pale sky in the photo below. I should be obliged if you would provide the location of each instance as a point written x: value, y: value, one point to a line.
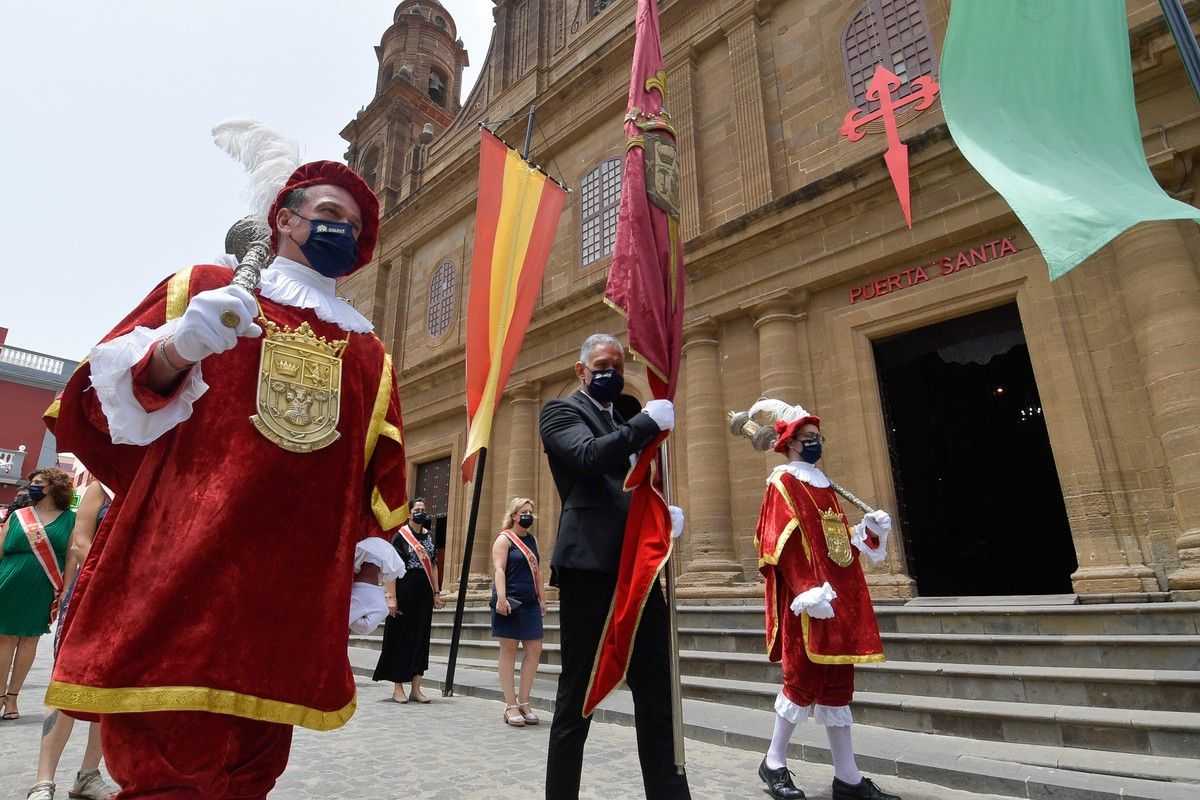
x: 112, y: 181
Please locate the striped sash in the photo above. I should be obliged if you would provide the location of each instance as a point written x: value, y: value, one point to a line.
x: 422, y: 556
x: 530, y: 557
x: 43, y: 551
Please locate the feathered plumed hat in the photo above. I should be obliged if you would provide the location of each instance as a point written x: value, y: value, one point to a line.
x: 788, y: 419
x: 273, y: 162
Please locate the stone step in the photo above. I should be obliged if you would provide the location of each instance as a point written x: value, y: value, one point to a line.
x: 1162, y: 652
x: 1013, y: 770
x: 750, y: 682
x: 1130, y: 619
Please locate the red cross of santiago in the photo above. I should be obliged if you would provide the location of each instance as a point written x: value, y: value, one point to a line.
x: 882, y: 84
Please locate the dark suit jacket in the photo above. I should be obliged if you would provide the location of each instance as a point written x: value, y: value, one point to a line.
x: 589, y: 465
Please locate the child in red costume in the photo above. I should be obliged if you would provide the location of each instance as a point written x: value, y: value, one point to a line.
x: 809, y: 556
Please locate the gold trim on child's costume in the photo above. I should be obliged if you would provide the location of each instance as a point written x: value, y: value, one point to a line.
x: 817, y: 658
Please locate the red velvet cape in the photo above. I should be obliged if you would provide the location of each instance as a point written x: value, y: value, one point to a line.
x: 793, y: 557
x: 220, y: 580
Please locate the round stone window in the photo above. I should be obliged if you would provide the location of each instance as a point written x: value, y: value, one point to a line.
x: 441, y: 300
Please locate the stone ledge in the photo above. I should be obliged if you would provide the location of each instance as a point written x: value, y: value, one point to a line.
x: 1030, y: 772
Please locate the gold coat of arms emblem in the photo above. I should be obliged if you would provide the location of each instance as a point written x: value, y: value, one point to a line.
x: 837, y: 538
x: 299, y: 388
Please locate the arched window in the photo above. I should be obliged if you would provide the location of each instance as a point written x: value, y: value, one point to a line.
x: 599, y: 202
x: 368, y: 167
x: 894, y: 33
x: 437, y: 87
x: 441, y: 300
x: 389, y: 72
x: 440, y: 22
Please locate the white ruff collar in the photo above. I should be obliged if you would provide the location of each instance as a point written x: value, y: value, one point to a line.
x: 802, y: 471
x: 291, y: 284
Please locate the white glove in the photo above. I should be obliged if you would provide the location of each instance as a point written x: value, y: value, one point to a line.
x: 368, y: 607
x: 816, y: 602
x: 200, y: 332
x: 677, y: 520
x: 880, y: 524
x: 661, y: 411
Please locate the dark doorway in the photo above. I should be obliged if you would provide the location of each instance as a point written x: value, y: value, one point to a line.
x: 979, y: 499
x: 433, y: 484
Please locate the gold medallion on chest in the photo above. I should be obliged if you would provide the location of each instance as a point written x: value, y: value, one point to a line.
x: 299, y: 388
x: 837, y: 538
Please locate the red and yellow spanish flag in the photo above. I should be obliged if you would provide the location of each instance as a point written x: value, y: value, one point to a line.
x: 645, y: 283
x: 515, y: 220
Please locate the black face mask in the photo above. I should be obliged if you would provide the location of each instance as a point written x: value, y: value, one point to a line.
x: 36, y: 493
x: 421, y: 518
x: 606, y: 385
x: 331, y: 247
x: 525, y: 521
x: 810, y: 452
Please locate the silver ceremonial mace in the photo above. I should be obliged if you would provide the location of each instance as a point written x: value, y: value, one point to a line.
x: 764, y: 437
x: 249, y: 240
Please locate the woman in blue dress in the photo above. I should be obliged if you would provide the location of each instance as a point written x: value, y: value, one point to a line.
x: 518, y: 608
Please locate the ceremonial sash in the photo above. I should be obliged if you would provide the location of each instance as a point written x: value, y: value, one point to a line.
x: 43, y: 551
x: 422, y: 556
x: 531, y: 557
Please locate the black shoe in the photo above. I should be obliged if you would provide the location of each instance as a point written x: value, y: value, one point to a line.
x: 779, y: 783
x: 866, y: 790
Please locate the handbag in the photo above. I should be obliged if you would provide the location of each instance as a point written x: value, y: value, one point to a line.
x: 513, y: 605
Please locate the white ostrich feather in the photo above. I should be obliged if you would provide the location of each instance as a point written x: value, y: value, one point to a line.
x: 268, y: 156
x: 777, y: 410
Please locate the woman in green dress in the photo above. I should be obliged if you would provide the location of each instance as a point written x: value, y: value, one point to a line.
x: 26, y: 593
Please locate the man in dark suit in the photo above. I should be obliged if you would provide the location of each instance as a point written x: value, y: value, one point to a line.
x: 589, y: 446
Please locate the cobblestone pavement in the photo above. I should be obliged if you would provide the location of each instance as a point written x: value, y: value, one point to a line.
x: 452, y: 749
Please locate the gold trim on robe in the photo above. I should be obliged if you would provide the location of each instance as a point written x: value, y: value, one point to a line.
x: 136, y: 699
x: 178, y: 292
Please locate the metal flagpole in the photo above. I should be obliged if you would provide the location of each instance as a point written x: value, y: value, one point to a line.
x: 529, y: 133
x: 673, y: 630
x: 1181, y: 29
x: 448, y: 688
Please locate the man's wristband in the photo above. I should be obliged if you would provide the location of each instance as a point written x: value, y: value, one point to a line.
x: 166, y: 359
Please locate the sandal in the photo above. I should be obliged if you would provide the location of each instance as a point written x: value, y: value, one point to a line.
x: 10, y: 714
x: 91, y: 785
x: 42, y: 790
x: 529, y: 716
x: 519, y: 722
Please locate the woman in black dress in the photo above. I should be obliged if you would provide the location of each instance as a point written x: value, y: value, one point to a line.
x: 411, y: 600
x: 519, y: 608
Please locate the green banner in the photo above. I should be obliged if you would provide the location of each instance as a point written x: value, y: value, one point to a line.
x: 1038, y: 95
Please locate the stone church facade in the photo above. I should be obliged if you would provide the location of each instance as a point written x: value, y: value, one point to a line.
x: 1029, y: 437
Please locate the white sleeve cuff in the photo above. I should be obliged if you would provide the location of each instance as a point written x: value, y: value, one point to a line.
x: 112, y: 377
x: 374, y: 550
x: 858, y: 538
x: 368, y: 607
x: 814, y: 596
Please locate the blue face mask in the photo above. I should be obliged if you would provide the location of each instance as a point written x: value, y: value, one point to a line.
x: 36, y: 493
x: 331, y: 249
x: 810, y: 452
x: 606, y: 385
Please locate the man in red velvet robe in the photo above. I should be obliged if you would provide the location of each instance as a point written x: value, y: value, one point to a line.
x: 820, y: 622
x: 254, y: 440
